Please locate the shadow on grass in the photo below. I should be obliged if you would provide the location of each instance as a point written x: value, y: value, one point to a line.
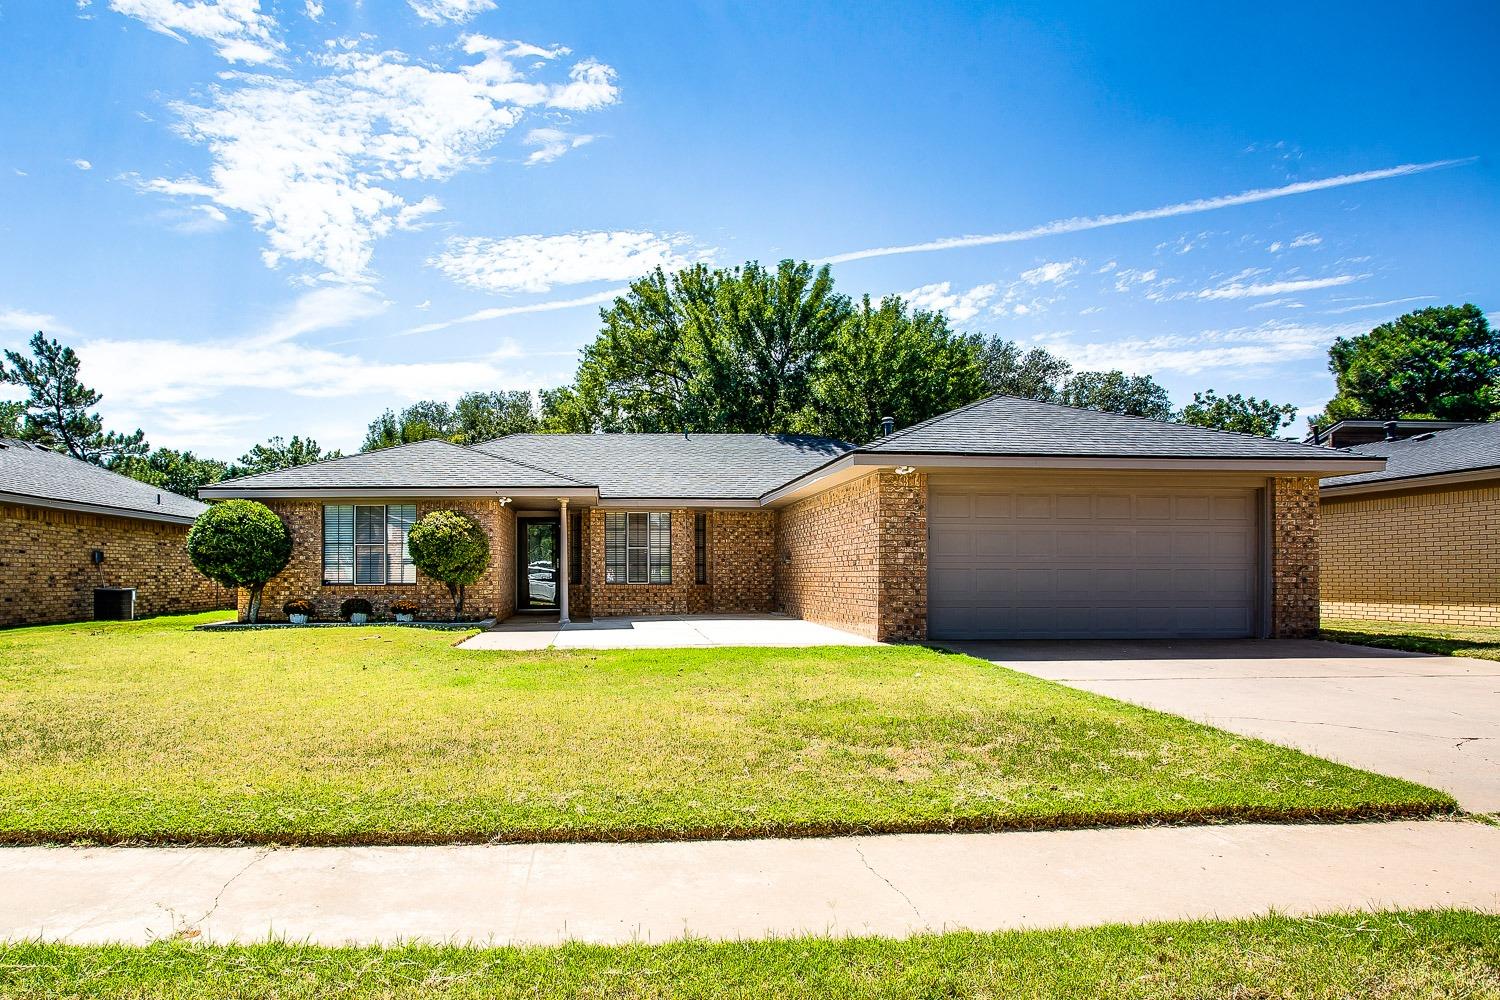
x: 1416, y: 643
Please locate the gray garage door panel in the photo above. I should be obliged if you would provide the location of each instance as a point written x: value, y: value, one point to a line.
x: 1066, y: 562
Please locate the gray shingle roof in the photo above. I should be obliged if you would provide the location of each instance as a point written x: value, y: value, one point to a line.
x: 1463, y: 449
x: 431, y: 463
x: 690, y: 466
x: 1009, y: 425
x: 31, y: 471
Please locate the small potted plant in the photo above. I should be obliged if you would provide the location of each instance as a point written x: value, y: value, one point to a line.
x: 355, y: 611
x: 298, y: 610
x: 405, y: 609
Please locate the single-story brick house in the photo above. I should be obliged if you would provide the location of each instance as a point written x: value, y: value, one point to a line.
x: 1418, y: 541
x: 1005, y: 518
x: 68, y: 527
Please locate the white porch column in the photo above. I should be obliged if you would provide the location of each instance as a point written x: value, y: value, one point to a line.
x: 562, y: 561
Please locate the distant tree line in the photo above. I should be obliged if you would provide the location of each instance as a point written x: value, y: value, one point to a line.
x: 762, y: 350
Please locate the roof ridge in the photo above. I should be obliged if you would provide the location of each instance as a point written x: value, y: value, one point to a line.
x: 940, y: 417
x: 516, y: 461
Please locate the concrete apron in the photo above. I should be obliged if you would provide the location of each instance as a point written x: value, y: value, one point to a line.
x: 891, y: 885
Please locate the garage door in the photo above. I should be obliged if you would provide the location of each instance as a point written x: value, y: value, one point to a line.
x: 1058, y: 560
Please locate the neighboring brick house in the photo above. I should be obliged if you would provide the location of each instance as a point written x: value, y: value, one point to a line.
x: 1418, y: 541
x: 67, y: 527
x: 1006, y: 518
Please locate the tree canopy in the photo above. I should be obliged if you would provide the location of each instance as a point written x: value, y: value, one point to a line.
x: 179, y: 472
x: 1234, y: 412
x: 477, y: 416
x: 1442, y: 362
x: 277, y: 454
x: 56, y: 412
x: 240, y: 543
x: 1116, y: 392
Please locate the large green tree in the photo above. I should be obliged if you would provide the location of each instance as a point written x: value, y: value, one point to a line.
x: 277, y: 454
x: 1116, y: 392
x: 58, y: 405
x: 888, y: 360
x: 1442, y: 362
x: 240, y: 543
x: 1234, y: 412
x: 179, y: 472
x: 706, y: 349
x: 477, y: 416
x: 1033, y: 374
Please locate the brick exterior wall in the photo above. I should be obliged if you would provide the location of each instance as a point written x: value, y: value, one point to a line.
x: 741, y: 569
x: 46, y: 574
x: 1294, y: 557
x: 1431, y: 557
x: 494, y: 594
x: 855, y: 557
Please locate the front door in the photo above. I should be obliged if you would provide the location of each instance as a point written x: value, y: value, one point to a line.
x: 536, y: 549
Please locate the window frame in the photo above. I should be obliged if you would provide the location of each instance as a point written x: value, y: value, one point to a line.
x: 700, y: 548
x: 348, y: 549
x: 646, y: 535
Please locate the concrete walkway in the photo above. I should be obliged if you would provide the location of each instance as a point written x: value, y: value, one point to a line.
x: 662, y: 632
x: 1431, y: 719
x: 893, y: 885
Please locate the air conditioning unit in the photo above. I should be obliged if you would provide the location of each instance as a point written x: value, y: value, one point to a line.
x: 114, y: 604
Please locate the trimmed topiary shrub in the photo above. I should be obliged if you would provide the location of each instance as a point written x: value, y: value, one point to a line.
x: 450, y: 547
x: 240, y: 543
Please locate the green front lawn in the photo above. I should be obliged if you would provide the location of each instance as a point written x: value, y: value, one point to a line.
x: 1445, y: 640
x: 1387, y: 956
x: 148, y: 731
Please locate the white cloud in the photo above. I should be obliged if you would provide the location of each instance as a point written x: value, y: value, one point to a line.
x: 1127, y: 277
x: 538, y: 263
x: 1243, y: 349
x: 500, y: 312
x: 1305, y: 240
x: 1376, y: 305
x: 313, y: 9
x: 29, y: 322
x: 83, y: 165
x: 1080, y: 224
x: 552, y: 143
x: 238, y: 29
x: 1242, y: 290
x: 316, y: 164
x: 958, y: 306
x: 449, y: 11
x: 1278, y: 303
x: 1053, y: 272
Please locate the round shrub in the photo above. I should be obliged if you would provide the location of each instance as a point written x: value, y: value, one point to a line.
x: 240, y: 543
x: 297, y: 606
x: 405, y: 606
x: 450, y: 547
x: 355, y: 606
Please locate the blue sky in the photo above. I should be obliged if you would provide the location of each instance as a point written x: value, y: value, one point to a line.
x: 278, y: 217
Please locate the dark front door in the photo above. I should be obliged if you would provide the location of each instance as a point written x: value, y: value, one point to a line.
x: 536, y: 551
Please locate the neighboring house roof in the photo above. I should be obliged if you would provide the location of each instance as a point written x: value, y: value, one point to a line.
x: 688, y: 466
x: 1009, y: 425
x: 1463, y: 451
x: 432, y: 465
x: 40, y: 477
x: 1348, y: 433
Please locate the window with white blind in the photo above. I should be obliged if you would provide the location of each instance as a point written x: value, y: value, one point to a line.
x: 366, y: 544
x: 638, y: 548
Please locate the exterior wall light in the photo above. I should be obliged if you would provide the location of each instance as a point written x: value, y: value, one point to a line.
x: 905, y: 470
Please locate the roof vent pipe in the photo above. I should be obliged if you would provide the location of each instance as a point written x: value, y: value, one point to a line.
x: 887, y: 426
x: 1317, y: 434
x: 1390, y: 430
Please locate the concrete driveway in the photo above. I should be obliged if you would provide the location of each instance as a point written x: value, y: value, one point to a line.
x: 1431, y: 719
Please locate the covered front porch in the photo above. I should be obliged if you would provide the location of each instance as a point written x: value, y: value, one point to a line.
x: 532, y: 631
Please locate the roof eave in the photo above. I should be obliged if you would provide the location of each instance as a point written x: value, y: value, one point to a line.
x: 859, y: 460
x: 1417, y: 482
x: 221, y: 492
x: 28, y: 500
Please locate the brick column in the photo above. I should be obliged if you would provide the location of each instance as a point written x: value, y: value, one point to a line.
x: 903, y: 557
x: 1294, y: 557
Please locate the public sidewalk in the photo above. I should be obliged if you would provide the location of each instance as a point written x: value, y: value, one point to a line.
x: 889, y: 885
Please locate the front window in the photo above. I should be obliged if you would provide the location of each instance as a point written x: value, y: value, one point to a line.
x: 638, y: 548
x: 366, y: 544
